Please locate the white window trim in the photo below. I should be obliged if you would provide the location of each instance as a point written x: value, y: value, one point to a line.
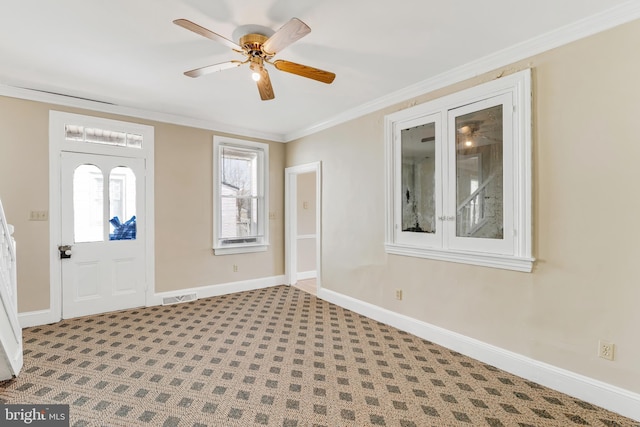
x: 519, y: 85
x: 240, y: 248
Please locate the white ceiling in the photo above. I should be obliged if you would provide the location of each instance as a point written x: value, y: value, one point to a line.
x: 129, y: 53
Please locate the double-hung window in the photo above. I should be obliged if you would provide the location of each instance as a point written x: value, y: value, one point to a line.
x: 459, y: 176
x: 240, y: 196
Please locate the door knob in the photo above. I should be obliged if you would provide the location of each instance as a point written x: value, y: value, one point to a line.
x: 65, y: 251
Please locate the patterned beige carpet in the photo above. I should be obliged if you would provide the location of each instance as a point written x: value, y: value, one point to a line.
x: 277, y: 357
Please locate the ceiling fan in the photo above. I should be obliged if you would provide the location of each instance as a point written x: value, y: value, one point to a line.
x: 258, y: 50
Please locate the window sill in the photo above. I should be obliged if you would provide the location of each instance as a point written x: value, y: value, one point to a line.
x: 240, y: 249
x: 486, y: 260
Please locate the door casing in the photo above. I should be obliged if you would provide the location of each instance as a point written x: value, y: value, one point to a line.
x: 58, y: 144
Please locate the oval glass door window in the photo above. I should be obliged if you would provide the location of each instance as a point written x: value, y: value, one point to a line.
x: 122, y: 204
x: 88, y: 204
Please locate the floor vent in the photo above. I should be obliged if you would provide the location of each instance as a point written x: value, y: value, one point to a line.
x: 179, y: 298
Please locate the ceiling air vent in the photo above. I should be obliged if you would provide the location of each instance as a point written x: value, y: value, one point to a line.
x: 179, y: 298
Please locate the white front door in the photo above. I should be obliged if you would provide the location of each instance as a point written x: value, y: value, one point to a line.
x: 103, y: 234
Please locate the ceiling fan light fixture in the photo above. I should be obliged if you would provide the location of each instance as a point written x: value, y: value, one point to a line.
x: 257, y: 68
x: 465, y: 129
x: 260, y: 45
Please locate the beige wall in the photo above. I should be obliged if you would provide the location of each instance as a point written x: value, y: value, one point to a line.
x: 306, y: 206
x: 183, y: 204
x: 585, y: 285
x: 306, y: 221
x: 184, y: 257
x: 24, y: 187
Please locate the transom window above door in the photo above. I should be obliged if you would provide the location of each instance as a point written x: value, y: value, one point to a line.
x: 102, y: 136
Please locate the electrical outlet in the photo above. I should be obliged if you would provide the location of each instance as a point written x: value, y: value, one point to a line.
x: 606, y: 350
x: 272, y: 215
x: 235, y: 268
x: 399, y: 294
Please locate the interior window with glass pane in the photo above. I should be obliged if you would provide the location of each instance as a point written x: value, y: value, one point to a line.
x: 479, y: 175
x: 462, y: 164
x: 418, y: 179
x: 239, y: 195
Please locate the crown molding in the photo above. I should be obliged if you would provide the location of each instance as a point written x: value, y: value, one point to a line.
x: 69, y: 101
x: 591, y: 25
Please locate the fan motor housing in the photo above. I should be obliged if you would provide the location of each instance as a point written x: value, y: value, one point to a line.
x: 252, y: 43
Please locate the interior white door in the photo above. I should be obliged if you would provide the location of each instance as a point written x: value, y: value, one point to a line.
x: 102, y: 229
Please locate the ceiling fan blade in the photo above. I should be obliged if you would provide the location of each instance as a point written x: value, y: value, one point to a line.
x: 184, y: 23
x: 293, y: 30
x: 212, y: 68
x: 305, y: 71
x: 264, y: 86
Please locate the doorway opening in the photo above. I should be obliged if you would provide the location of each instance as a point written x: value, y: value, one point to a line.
x: 303, y: 226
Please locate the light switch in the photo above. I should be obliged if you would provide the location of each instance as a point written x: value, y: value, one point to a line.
x: 38, y: 215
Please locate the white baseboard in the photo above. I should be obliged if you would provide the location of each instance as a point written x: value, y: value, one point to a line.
x: 616, y: 399
x: 306, y: 275
x: 207, y: 291
x: 45, y: 317
x: 37, y: 318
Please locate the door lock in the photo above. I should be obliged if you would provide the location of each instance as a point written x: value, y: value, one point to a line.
x: 65, y: 251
